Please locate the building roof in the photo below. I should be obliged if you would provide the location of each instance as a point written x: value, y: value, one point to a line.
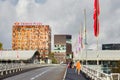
x: 100, y: 55
x: 17, y: 55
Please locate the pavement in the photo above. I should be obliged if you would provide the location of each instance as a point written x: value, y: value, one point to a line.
x: 72, y: 75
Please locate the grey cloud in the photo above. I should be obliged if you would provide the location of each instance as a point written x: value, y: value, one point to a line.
x: 14, y: 2
x: 41, y: 1
x: 64, y: 16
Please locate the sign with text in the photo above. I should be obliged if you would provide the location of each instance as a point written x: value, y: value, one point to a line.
x: 27, y: 23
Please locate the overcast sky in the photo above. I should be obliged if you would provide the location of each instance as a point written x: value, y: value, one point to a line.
x: 64, y: 17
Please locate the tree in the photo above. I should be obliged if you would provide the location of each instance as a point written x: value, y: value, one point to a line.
x: 54, y: 61
x: 51, y: 56
x: 1, y: 46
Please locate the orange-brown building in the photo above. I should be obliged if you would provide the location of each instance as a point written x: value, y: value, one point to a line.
x: 32, y: 36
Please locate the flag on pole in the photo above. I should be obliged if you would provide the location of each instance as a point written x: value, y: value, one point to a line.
x: 95, y: 17
x: 79, y: 48
x: 76, y: 51
x: 81, y: 34
x: 79, y: 42
x: 79, y: 38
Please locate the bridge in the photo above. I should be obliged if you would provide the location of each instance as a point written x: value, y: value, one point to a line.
x: 95, y: 61
x: 88, y: 71
x: 16, y: 71
x: 91, y: 72
x: 94, y: 73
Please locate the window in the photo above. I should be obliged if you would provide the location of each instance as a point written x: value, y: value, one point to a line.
x: 55, y: 46
x: 18, y: 29
x: 58, y: 48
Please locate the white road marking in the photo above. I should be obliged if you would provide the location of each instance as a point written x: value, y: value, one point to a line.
x: 40, y: 74
x: 65, y: 73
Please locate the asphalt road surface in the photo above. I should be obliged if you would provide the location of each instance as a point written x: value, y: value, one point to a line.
x: 72, y: 75
x: 45, y: 73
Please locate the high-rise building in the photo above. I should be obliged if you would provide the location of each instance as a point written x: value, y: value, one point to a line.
x: 63, y: 47
x: 32, y: 36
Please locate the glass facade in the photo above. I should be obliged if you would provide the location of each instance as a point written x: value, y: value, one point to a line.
x: 111, y: 47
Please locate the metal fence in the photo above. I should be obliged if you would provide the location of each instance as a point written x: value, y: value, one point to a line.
x: 95, y: 74
x: 6, y: 68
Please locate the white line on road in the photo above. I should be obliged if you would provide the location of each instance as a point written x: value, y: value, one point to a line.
x: 65, y: 73
x: 40, y: 74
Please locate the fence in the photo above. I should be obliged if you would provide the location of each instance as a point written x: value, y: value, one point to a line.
x: 10, y: 68
x: 95, y: 74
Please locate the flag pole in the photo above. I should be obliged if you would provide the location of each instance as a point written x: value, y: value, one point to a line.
x: 97, y: 56
x: 97, y: 51
x: 97, y: 33
x: 81, y: 37
x: 96, y: 25
x: 85, y: 34
x: 97, y: 36
x: 96, y: 29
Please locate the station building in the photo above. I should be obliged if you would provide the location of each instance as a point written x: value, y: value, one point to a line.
x: 110, y: 46
x: 16, y: 56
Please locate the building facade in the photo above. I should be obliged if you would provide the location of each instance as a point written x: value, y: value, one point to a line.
x: 32, y: 36
x: 63, y: 47
x: 111, y: 47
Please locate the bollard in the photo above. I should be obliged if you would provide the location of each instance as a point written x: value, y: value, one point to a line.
x: 10, y: 71
x: 20, y: 69
x: 13, y: 71
x: 16, y: 70
x: 1, y: 73
x: 6, y: 72
x: 118, y: 76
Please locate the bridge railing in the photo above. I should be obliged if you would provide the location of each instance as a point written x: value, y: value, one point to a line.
x: 95, y: 74
x: 115, y: 76
x: 8, y: 68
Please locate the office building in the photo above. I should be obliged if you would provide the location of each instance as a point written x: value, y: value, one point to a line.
x: 63, y: 47
x: 32, y: 36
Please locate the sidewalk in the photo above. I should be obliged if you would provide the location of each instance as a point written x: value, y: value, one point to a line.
x: 72, y: 75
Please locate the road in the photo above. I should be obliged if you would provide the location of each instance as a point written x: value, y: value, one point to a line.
x: 45, y: 73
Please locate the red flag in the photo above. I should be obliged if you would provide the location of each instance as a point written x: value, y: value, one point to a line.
x: 95, y: 16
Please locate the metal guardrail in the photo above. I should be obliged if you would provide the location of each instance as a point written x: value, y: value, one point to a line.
x: 94, y: 74
x: 115, y: 76
x: 9, y: 68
